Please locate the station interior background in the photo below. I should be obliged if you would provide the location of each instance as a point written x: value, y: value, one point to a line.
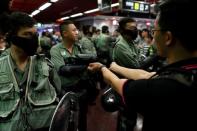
x: 89, y: 12
x: 50, y: 13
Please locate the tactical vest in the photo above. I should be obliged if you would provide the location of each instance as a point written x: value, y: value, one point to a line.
x: 33, y: 109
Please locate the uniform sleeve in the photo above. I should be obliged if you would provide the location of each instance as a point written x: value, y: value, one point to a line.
x: 53, y: 76
x: 55, y: 80
x: 124, y: 58
x: 88, y: 47
x: 56, y: 58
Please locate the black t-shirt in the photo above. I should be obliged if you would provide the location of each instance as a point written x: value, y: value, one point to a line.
x: 166, y: 103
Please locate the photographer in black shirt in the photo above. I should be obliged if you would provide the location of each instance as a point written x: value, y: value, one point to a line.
x: 166, y: 99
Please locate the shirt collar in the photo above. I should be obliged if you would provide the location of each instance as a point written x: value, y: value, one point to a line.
x: 63, y: 47
x: 124, y: 41
x: 13, y: 63
x: 14, y: 66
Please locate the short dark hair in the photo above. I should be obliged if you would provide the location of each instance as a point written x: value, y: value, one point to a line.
x: 145, y: 30
x: 105, y: 29
x: 93, y: 29
x: 19, y: 20
x: 123, y: 22
x: 44, y: 33
x: 4, y: 6
x: 176, y: 16
x: 5, y: 23
x: 64, y: 25
x: 86, y: 29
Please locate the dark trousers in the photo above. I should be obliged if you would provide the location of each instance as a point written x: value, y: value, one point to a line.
x: 126, y: 121
x: 81, y: 92
x: 83, y: 109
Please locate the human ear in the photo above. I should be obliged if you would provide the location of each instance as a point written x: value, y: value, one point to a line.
x: 65, y: 33
x: 168, y: 38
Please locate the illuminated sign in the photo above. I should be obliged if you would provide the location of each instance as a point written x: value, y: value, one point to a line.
x: 136, y: 6
x: 104, y: 5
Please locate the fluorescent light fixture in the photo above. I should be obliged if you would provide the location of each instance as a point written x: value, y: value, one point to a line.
x: 115, y: 4
x: 91, y: 11
x: 46, y: 5
x: 64, y: 18
x: 35, y: 12
x: 39, y: 25
x: 54, y: 1
x: 99, y: 1
x: 97, y: 9
x: 76, y: 15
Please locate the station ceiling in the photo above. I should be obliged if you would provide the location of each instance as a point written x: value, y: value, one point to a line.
x: 57, y: 10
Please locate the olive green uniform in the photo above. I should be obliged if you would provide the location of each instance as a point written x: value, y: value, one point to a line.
x: 103, y: 48
x: 102, y: 43
x: 126, y: 54
x: 72, y: 81
x: 58, y: 54
x: 27, y: 98
x: 87, y: 45
x: 5, y: 52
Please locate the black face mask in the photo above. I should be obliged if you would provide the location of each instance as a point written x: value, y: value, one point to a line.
x: 29, y: 45
x: 132, y: 33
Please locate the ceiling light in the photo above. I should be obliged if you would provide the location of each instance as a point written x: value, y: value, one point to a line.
x: 99, y: 1
x: 76, y: 15
x: 54, y: 1
x: 64, y: 18
x: 35, y: 12
x: 115, y: 4
x: 91, y: 11
x: 46, y: 5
